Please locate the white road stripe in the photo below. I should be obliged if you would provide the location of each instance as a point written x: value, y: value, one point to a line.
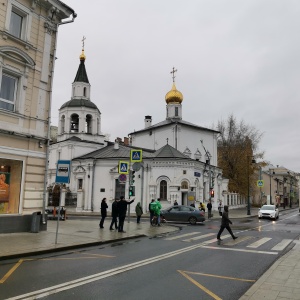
x: 280, y: 246
x: 181, y: 236
x: 259, y: 243
x: 199, y: 237
x: 239, y: 250
x: 98, y: 276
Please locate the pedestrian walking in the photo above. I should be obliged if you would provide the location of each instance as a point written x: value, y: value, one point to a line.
x: 220, y: 207
x: 175, y: 203
x: 225, y: 224
x: 104, y: 207
x: 114, y: 215
x: 209, y: 208
x: 139, y: 212
x: 151, y: 211
x: 193, y: 204
x: 202, y: 206
x: 122, y: 207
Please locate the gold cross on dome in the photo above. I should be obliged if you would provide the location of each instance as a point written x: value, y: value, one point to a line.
x: 173, y: 72
x: 83, y: 39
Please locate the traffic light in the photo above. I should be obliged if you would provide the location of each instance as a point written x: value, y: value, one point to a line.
x: 131, y: 191
x: 132, y: 177
x: 213, y: 182
x: 212, y: 193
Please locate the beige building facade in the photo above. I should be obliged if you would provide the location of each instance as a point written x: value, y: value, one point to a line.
x: 28, y: 34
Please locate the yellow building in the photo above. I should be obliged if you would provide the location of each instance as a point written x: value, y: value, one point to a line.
x: 28, y: 35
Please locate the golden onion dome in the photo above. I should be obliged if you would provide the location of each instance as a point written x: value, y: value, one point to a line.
x: 82, y: 56
x: 174, y: 96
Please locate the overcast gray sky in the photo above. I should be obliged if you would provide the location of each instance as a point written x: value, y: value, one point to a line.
x: 233, y: 57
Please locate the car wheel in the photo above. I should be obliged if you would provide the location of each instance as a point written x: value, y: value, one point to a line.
x: 192, y: 220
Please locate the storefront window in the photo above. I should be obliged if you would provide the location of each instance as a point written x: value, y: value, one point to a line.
x: 10, y: 185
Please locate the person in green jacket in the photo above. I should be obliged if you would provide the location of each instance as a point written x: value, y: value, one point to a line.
x: 139, y: 212
x: 157, y: 211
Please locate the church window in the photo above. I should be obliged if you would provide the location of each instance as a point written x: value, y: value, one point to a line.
x: 184, y: 185
x: 163, y: 190
x: 184, y: 171
x: 84, y: 91
x: 88, y: 124
x: 62, y: 124
x: 74, y: 123
x: 176, y: 111
x: 80, y: 183
x: 120, y: 189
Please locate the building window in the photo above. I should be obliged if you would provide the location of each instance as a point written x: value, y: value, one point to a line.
x: 8, y: 92
x: 88, y: 124
x: 84, y: 91
x: 80, y: 184
x: 120, y: 189
x: 74, y: 123
x: 163, y: 190
x: 15, y: 26
x: 184, y: 185
x: 176, y: 111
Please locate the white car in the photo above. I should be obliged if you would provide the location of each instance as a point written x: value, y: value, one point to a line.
x: 268, y: 211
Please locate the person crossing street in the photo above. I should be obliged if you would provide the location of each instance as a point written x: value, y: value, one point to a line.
x: 225, y: 224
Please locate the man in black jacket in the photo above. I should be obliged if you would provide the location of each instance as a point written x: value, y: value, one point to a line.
x: 114, y: 215
x: 122, y: 207
x: 225, y: 224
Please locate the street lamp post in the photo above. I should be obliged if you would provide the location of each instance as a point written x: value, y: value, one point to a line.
x: 270, y: 186
x: 248, y: 203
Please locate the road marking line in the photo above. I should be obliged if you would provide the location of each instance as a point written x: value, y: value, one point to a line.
x: 198, y: 237
x: 237, y: 241
x: 181, y: 236
x: 11, y: 270
x: 204, y: 289
x: 259, y: 242
x: 218, y: 276
x: 239, y: 250
x: 280, y: 246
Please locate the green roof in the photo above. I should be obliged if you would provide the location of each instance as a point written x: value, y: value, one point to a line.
x: 79, y: 103
x: 81, y: 75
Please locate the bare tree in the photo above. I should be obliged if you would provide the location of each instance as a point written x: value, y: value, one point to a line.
x: 237, y: 147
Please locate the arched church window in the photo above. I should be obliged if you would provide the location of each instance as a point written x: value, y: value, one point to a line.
x: 62, y: 123
x: 84, y: 91
x: 184, y: 185
x: 88, y: 124
x: 176, y: 111
x: 163, y: 189
x: 74, y: 123
x: 73, y: 91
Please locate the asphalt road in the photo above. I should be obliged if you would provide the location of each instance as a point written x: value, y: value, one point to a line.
x: 187, y: 264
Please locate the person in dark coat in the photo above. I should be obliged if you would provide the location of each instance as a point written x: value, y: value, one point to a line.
x: 151, y: 211
x: 225, y: 224
x: 209, y: 207
x: 104, y: 207
x: 122, y: 207
x: 114, y: 215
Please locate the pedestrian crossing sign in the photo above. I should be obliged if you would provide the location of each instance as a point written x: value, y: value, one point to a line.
x: 136, y: 155
x: 123, y: 167
x: 260, y: 183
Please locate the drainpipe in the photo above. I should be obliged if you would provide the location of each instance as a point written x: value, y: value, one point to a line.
x: 93, y: 181
x: 74, y: 15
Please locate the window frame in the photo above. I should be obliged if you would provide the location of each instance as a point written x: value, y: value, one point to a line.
x: 16, y: 85
x: 25, y: 13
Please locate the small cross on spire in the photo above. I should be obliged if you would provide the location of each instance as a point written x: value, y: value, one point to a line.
x: 167, y: 141
x: 83, y: 39
x: 173, y: 72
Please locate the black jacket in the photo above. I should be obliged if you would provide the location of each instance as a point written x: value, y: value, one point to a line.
x: 104, y: 207
x: 225, y: 218
x: 122, y: 206
x: 209, y: 206
x: 114, y: 209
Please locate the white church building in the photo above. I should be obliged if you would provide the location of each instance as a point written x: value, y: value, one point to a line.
x: 179, y: 158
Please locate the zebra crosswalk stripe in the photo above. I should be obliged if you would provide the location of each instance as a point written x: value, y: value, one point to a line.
x: 198, y: 237
x: 181, y: 236
x: 259, y: 242
x: 280, y: 246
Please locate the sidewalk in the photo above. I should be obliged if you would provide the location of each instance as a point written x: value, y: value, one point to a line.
x: 281, y: 281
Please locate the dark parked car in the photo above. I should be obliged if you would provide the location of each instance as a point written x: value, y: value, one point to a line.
x: 182, y: 213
